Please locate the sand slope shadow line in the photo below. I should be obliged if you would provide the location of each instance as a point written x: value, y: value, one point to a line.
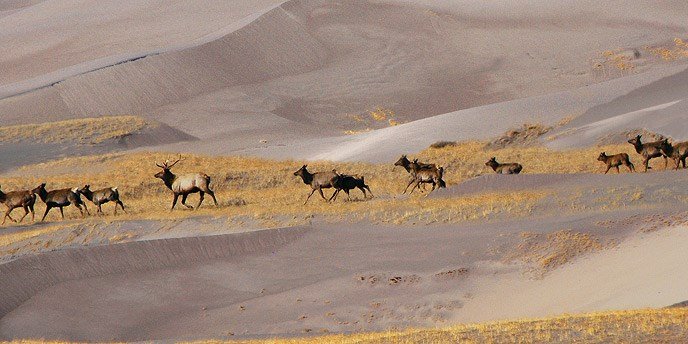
x: 22, y: 278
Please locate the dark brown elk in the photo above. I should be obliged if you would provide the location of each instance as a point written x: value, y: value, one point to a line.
x: 18, y: 199
x: 649, y: 150
x: 185, y: 184
x: 317, y: 181
x: 406, y: 164
x: 616, y: 160
x: 102, y: 196
x: 505, y: 168
x: 677, y: 151
x: 347, y: 183
x: 59, y: 199
x: 425, y: 176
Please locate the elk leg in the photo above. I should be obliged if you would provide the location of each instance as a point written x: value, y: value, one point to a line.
x: 309, y: 197
x: 47, y: 209
x: 666, y: 162
x: 62, y: 212
x: 409, y: 184
x: 86, y: 208
x: 617, y: 170
x: 100, y: 209
x: 174, y: 201
x: 683, y: 161
x: 80, y: 210
x: 646, y: 162
x: 212, y: 194
x: 7, y: 214
x: 200, y: 200
x: 184, y: 201
x: 414, y: 187
x: 33, y: 213
x: 371, y: 193
x: 334, y: 196
x: 608, y: 168
x: 348, y: 196
x: 26, y: 212
x: 115, y: 209
x: 121, y: 205
x: 322, y: 194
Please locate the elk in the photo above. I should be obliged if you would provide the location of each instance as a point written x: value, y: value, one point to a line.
x: 347, y: 183
x: 426, y: 176
x: 616, y: 160
x: 407, y: 165
x: 649, y: 150
x: 678, y: 152
x: 505, y: 168
x: 317, y: 181
x: 102, y: 196
x: 59, y: 199
x: 185, y: 184
x: 18, y: 199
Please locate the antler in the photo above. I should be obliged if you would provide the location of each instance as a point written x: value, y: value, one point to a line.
x: 176, y: 161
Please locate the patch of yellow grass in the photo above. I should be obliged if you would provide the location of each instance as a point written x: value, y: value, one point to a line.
x: 669, y: 325
x: 83, y: 130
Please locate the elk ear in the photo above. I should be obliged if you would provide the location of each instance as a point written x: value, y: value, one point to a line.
x: 42, y: 185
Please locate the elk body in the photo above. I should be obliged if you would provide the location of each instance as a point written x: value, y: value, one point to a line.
x: 317, y: 181
x: 18, y: 199
x: 185, y: 184
x: 59, y: 199
x: 425, y: 176
x: 102, y: 196
x: 506, y: 168
x: 678, y: 152
x: 346, y: 183
x: 649, y: 150
x: 616, y: 160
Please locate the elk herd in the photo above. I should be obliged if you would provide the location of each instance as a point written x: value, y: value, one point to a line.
x: 420, y: 175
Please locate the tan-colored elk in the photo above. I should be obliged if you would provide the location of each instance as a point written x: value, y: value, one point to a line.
x: 317, y: 181
x: 102, y: 196
x: 185, y: 184
x: 505, y: 168
x: 676, y: 151
x: 59, y: 199
x: 18, y: 199
x: 616, y: 160
x: 426, y: 176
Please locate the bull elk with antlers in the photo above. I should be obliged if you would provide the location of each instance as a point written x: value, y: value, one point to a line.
x: 185, y: 184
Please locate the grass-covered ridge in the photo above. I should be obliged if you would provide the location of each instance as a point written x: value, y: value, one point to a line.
x: 82, y: 130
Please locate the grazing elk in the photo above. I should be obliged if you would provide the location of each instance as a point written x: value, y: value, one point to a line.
x: 185, y: 184
x: 317, y: 181
x: 102, y: 196
x: 506, y: 168
x: 18, y: 199
x: 426, y: 176
x: 59, y: 199
x: 649, y: 150
x: 616, y: 160
x: 347, y: 183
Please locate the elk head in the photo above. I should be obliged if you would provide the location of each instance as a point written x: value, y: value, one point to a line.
x: 602, y: 157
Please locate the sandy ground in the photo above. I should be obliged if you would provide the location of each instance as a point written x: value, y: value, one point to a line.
x: 298, y: 74
x: 355, y: 277
x: 287, y: 79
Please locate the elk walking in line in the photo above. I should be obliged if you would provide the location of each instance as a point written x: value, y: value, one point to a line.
x: 616, y: 160
x: 505, y: 168
x: 677, y: 151
x: 347, y: 183
x: 426, y: 176
x: 409, y: 167
x: 18, y: 199
x: 649, y: 150
x: 102, y: 196
x: 185, y: 184
x: 317, y: 181
x: 59, y: 199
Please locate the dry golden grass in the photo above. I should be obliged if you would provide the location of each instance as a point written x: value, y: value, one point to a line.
x: 264, y: 193
x: 84, y: 130
x: 544, y: 252
x: 667, y: 325
x: 638, y: 326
